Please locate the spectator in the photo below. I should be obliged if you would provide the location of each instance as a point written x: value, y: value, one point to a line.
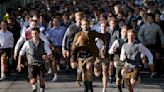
x: 6, y: 47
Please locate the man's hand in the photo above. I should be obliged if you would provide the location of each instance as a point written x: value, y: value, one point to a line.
x: 19, y: 66
x: 45, y: 57
x: 15, y: 56
x: 65, y: 53
x: 115, y: 49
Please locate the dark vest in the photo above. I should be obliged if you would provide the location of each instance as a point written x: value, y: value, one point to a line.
x: 34, y: 54
x: 121, y: 43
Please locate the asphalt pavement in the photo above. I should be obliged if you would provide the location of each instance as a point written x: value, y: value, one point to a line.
x: 66, y: 83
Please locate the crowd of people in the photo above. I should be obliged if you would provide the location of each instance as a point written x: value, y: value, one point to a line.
x: 112, y: 38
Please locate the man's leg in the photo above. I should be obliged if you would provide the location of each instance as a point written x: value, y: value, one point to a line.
x: 134, y: 79
x: 33, y: 84
x: 90, y: 72
x: 42, y: 84
x: 3, y: 67
x: 105, y: 76
x: 32, y: 74
x: 118, y: 78
x: 78, y: 77
x: 84, y: 73
x: 54, y: 70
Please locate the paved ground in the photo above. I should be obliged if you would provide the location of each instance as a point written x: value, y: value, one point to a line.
x: 66, y: 83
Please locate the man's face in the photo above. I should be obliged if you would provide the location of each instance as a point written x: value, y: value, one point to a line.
x: 149, y: 19
x: 55, y: 22
x: 103, y: 27
x: 123, y: 32
x: 131, y: 37
x: 157, y: 17
x: 35, y: 34
x: 33, y: 24
x: 3, y: 26
x: 77, y: 18
x: 112, y: 24
x: 84, y: 25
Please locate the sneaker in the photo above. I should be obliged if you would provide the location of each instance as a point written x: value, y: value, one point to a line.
x: 55, y: 78
x: 42, y: 89
x: 2, y: 78
x: 104, y: 90
x: 34, y: 89
x: 78, y: 83
x: 49, y: 71
x: 153, y: 75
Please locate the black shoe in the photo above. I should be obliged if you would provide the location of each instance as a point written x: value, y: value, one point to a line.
x: 34, y: 89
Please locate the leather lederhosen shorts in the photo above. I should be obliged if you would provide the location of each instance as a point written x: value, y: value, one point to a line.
x: 83, y: 61
x: 36, y: 70
x: 6, y: 52
x: 134, y: 74
x: 57, y: 52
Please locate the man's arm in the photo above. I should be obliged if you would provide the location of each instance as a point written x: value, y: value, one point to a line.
x: 47, y: 49
x: 18, y: 45
x: 11, y: 41
x: 44, y: 38
x: 141, y: 34
x: 19, y: 66
x: 21, y: 53
x: 103, y: 38
x: 146, y: 52
x: 75, y: 42
x: 64, y: 42
x: 161, y: 34
x: 113, y: 47
x: 123, y: 54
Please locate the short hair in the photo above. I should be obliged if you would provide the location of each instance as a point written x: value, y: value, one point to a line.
x: 85, y: 19
x: 132, y: 31
x: 103, y: 22
x: 33, y: 21
x: 4, y: 22
x: 35, y: 29
x: 124, y: 27
x: 78, y: 14
x: 151, y: 15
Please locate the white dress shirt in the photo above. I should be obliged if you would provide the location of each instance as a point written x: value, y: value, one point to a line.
x: 6, y: 39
